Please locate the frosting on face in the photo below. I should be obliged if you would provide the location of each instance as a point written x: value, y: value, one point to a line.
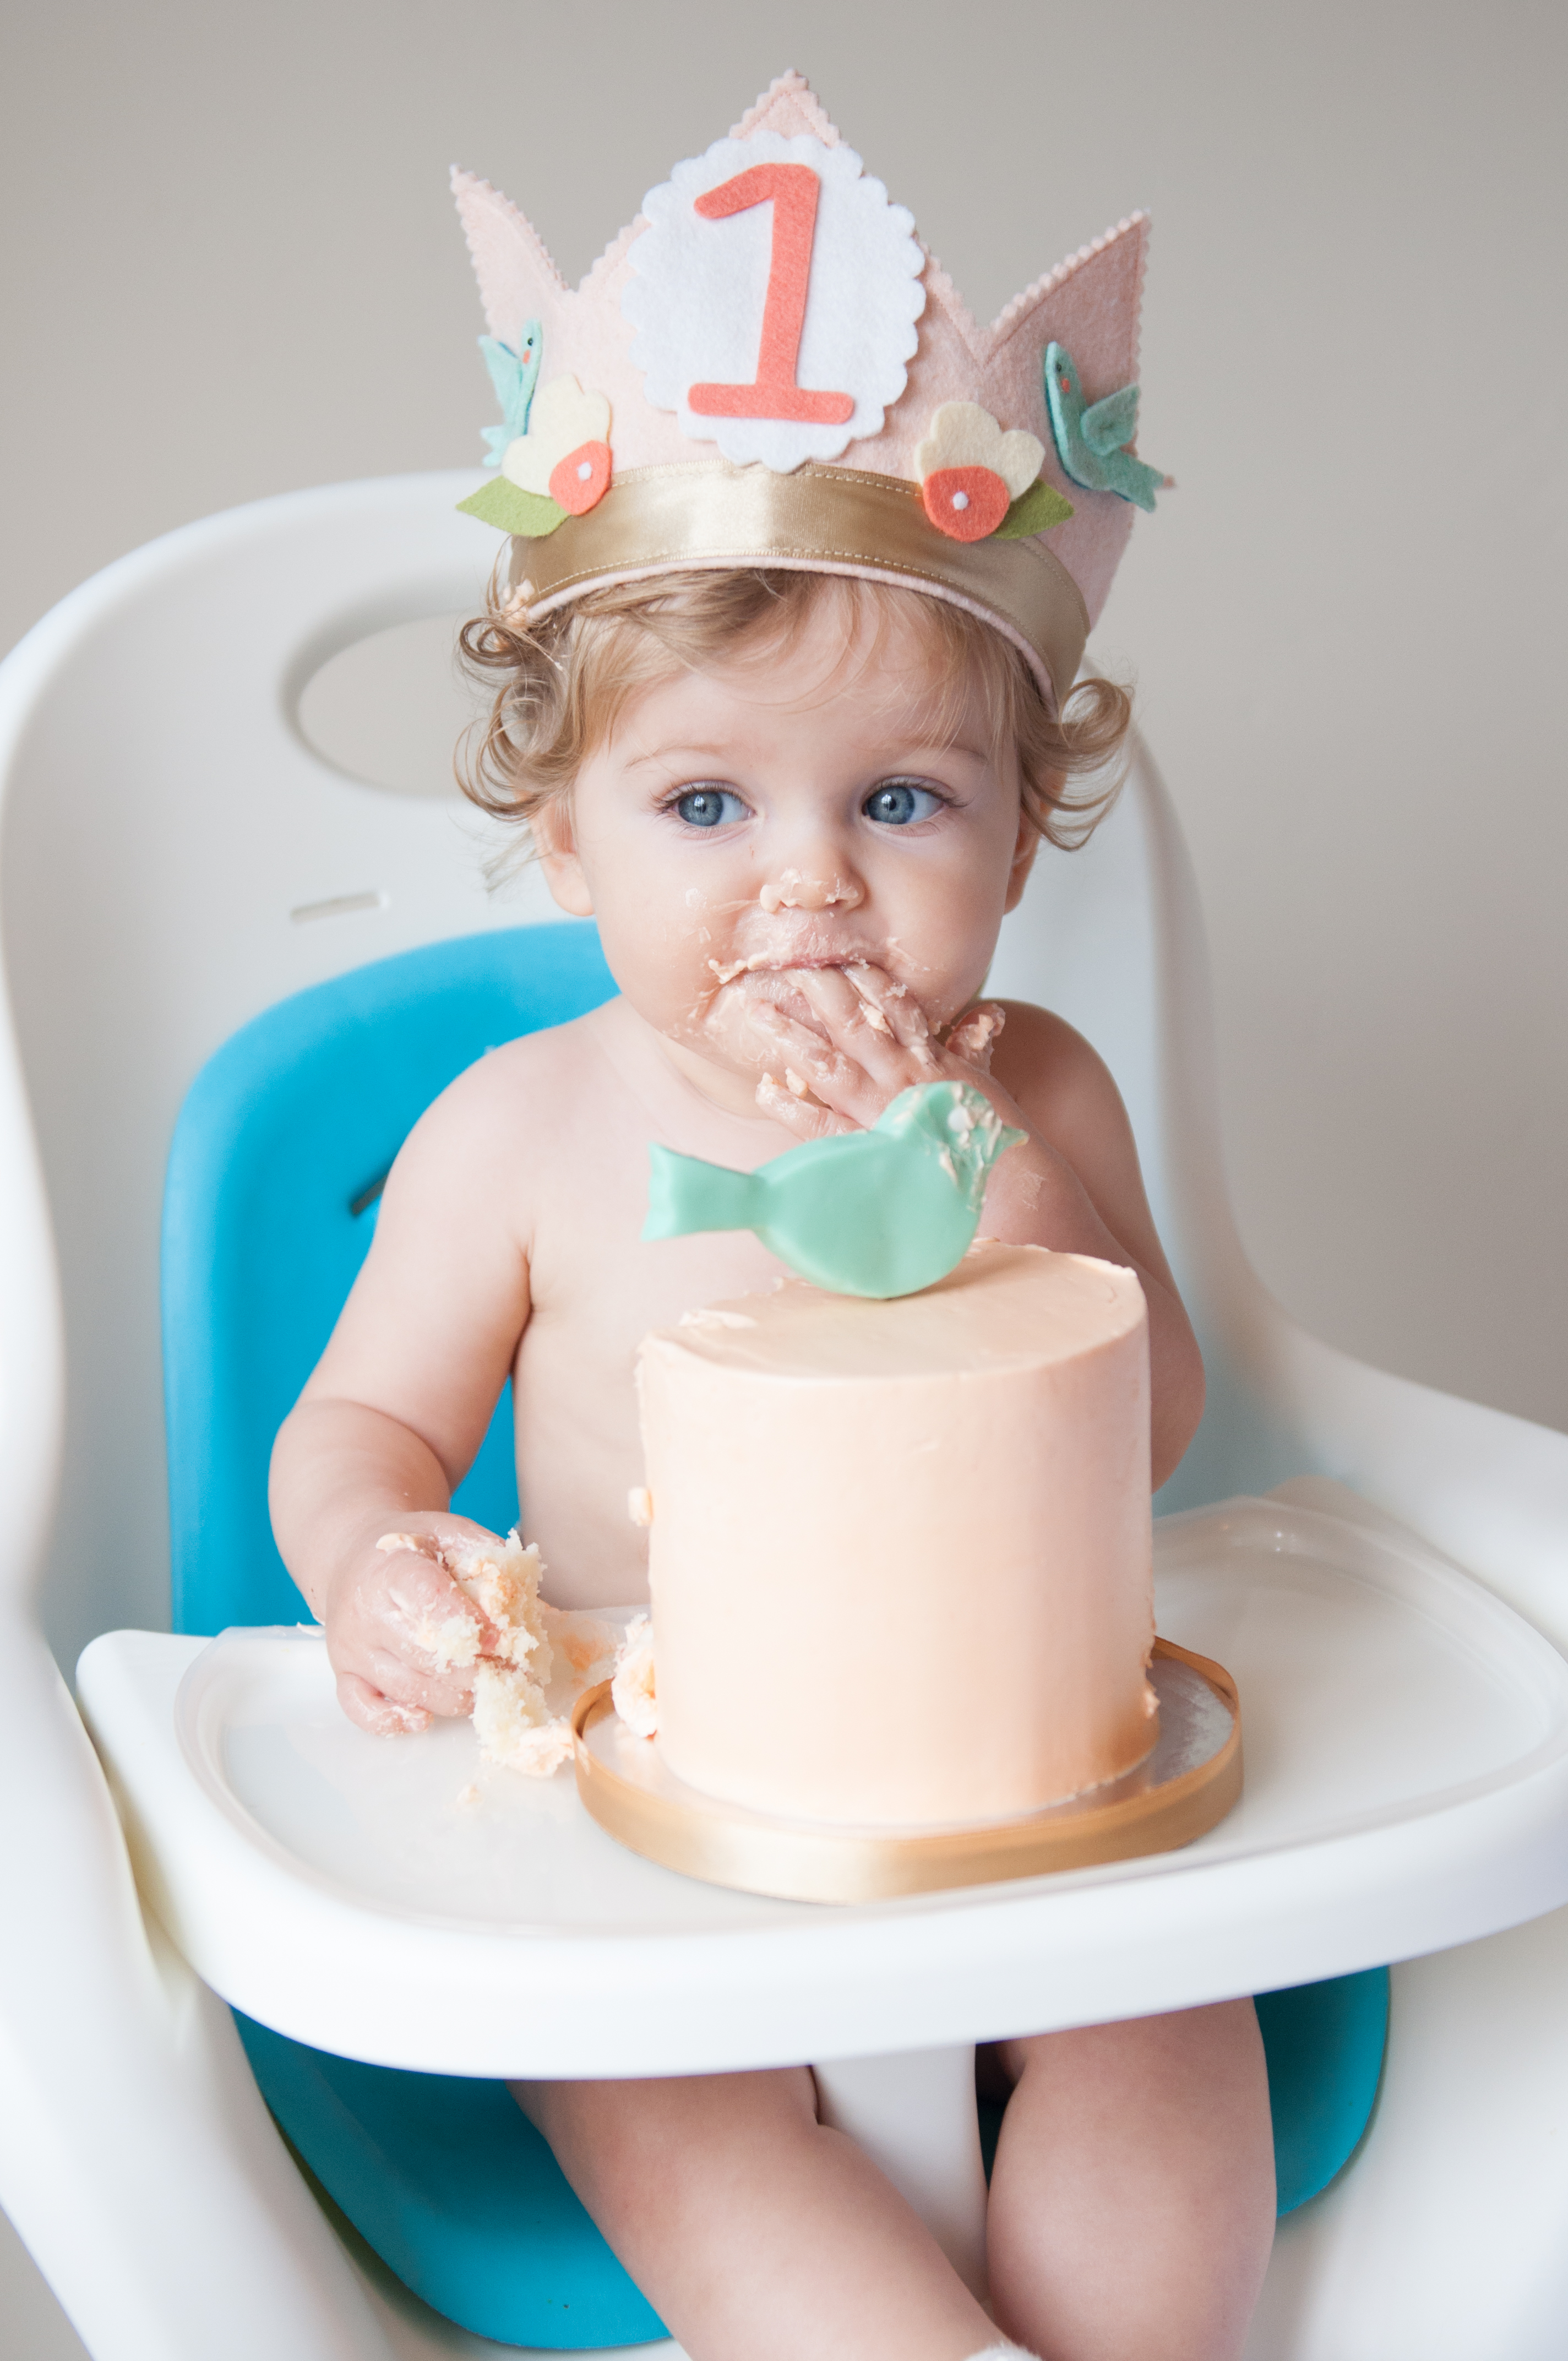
x: 780, y: 752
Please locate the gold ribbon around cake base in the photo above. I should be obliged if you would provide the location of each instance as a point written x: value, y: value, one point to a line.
x: 645, y: 1808
x: 819, y: 520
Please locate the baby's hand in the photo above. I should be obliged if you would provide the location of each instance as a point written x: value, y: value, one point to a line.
x: 869, y: 1041
x: 401, y: 1635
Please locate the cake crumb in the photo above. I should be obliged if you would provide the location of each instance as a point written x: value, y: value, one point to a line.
x: 632, y: 1689
x: 468, y: 1794
x: 512, y: 1717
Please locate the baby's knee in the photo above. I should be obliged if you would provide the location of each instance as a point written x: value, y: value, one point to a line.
x: 1215, y: 2049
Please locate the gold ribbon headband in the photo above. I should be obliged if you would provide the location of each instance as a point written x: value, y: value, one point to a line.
x: 823, y: 520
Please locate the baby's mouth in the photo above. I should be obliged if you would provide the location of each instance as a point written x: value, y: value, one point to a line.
x: 777, y: 985
x: 776, y: 977
x: 772, y: 976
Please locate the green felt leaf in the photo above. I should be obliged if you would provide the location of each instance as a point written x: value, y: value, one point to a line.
x: 1035, y: 510
x: 507, y: 506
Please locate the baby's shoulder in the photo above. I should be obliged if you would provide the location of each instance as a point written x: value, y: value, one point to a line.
x: 1037, y: 1049
x: 1058, y: 1078
x: 499, y: 1109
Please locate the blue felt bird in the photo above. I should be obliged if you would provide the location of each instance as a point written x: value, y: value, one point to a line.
x: 876, y: 1212
x: 514, y: 377
x: 1091, y: 443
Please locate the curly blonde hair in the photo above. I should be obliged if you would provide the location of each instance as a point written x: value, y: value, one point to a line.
x: 565, y: 681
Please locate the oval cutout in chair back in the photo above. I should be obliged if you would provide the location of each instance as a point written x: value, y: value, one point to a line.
x: 389, y: 709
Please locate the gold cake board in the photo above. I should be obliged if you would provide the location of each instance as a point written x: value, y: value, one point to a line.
x: 1187, y: 1785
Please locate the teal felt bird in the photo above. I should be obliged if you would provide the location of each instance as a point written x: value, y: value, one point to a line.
x: 1092, y: 442
x: 514, y: 377
x: 876, y: 1212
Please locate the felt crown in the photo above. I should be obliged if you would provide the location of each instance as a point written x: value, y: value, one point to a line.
x: 768, y: 368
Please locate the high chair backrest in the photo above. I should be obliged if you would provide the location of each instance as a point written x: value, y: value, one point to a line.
x: 175, y: 858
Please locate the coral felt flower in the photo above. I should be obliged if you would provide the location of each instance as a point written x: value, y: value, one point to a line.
x: 965, y: 504
x: 971, y: 472
x: 568, y: 429
x: 582, y: 479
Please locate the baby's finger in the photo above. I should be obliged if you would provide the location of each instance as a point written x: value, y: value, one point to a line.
x: 434, y: 1632
x: 900, y: 1013
x: 449, y: 1694
x: 829, y: 995
x: 895, y: 1054
x: 974, y: 1037
x: 731, y: 1024
x: 798, y: 1114
x: 444, y: 1625
x: 383, y: 1716
x: 843, y: 1086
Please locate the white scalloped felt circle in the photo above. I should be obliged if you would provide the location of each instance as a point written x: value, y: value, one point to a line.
x: 697, y: 287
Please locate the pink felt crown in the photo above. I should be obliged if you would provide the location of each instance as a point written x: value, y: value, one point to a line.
x: 768, y: 367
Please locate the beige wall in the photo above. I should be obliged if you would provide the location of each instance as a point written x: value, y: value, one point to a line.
x: 230, y: 268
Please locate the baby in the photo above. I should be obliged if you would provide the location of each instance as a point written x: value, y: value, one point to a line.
x: 798, y: 809
x: 803, y: 574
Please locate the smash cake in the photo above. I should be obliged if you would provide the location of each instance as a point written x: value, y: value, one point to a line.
x: 899, y: 1510
x: 900, y: 1552
x: 900, y: 1544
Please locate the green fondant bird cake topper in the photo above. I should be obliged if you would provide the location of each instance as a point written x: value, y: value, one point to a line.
x: 879, y: 1213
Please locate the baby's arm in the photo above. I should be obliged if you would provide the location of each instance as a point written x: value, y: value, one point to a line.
x: 397, y: 1408
x: 1074, y: 1184
x: 1077, y: 1179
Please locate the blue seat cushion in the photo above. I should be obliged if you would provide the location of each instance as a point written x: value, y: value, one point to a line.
x: 269, y: 1207
x: 450, y: 2183
x: 1323, y: 2044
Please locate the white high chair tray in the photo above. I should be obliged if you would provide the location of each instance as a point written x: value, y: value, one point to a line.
x: 1406, y: 1789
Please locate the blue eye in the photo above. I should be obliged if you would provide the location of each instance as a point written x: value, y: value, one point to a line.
x: 900, y: 803
x: 709, y: 806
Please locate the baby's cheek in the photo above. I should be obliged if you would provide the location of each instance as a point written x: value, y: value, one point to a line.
x: 658, y: 970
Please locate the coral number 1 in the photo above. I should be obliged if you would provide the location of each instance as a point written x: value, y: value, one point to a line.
x: 791, y: 190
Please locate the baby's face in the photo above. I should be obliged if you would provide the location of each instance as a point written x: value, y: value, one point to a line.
x: 793, y: 807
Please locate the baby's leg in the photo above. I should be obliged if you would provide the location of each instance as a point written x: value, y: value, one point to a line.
x: 1132, y: 2206
x: 756, y: 2234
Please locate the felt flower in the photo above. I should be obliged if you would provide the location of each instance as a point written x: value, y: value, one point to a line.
x: 971, y: 472
x: 564, y: 456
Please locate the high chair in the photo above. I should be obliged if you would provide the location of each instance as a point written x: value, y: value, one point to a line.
x: 1386, y: 1572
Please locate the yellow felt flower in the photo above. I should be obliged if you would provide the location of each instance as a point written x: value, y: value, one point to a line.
x: 564, y: 420
x: 962, y: 434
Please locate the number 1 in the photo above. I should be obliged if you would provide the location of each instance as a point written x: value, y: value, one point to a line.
x: 791, y: 189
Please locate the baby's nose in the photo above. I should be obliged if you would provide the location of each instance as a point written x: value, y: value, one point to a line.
x: 793, y: 890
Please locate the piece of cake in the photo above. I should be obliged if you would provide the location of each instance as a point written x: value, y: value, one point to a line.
x: 900, y: 1552
x: 545, y: 1655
